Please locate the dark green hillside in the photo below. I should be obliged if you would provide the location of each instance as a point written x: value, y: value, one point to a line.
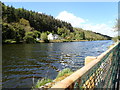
x: 40, y: 22
x: 21, y: 25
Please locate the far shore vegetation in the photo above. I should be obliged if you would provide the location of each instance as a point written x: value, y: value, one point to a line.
x: 26, y: 26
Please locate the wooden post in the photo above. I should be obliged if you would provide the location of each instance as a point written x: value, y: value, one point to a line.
x: 88, y: 59
x: 71, y: 87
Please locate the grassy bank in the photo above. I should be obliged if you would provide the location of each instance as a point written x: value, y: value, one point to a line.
x: 47, y: 83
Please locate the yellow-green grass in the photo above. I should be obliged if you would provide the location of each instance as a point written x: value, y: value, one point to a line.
x: 42, y: 82
x: 64, y: 72
x: 61, y: 75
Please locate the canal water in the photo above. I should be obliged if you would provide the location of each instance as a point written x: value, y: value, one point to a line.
x: 22, y: 62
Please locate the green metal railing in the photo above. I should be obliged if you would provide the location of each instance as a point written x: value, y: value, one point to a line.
x: 101, y: 73
x: 104, y: 73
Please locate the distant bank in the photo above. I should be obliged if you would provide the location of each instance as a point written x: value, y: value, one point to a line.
x: 21, y: 25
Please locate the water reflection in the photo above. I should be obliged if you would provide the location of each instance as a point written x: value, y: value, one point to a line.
x: 22, y: 62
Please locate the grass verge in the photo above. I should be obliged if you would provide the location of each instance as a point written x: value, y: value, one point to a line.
x: 61, y: 75
x: 42, y: 82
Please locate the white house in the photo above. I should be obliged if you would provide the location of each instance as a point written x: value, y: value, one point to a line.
x: 50, y: 36
x: 56, y: 36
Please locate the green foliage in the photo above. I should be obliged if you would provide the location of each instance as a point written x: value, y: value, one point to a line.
x: 40, y: 22
x: 63, y: 32
x: 77, y: 36
x: 24, y: 22
x: 12, y: 32
x: 9, y: 41
x: 72, y: 37
x: 49, y: 32
x: 36, y: 34
x: 42, y: 82
x: 23, y: 25
x: 44, y: 36
x: 60, y: 31
x: 80, y: 34
x: 30, y: 34
x: 8, y: 31
x: 89, y: 35
x: 17, y: 32
x: 29, y: 37
x: 64, y: 71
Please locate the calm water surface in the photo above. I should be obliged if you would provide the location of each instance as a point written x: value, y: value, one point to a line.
x: 22, y: 62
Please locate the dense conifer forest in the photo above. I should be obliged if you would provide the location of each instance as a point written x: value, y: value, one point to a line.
x: 21, y: 25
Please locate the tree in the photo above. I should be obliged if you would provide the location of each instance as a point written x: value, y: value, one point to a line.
x: 60, y: 31
x: 8, y: 31
x: 72, y: 36
x: 77, y: 36
x: 29, y: 37
x: 36, y: 34
x: 44, y: 36
x: 82, y: 35
x: 24, y: 22
x: 24, y: 25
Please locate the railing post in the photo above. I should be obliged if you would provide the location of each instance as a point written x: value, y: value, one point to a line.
x: 71, y: 86
x: 88, y: 59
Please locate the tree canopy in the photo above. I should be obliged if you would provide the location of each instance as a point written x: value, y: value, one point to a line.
x: 21, y: 25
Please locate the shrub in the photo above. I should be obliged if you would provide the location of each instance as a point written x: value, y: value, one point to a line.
x: 36, y: 34
x: 42, y: 82
x: 64, y: 71
x: 29, y: 39
x: 9, y: 41
x: 44, y: 37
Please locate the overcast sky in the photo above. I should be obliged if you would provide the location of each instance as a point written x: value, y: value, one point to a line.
x: 96, y: 16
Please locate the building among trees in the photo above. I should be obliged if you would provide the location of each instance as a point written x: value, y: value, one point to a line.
x: 53, y: 36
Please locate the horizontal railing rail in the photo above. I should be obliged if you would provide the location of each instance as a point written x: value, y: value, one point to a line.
x: 99, y: 73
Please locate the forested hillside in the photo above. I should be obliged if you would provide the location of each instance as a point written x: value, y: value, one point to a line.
x: 89, y: 35
x: 21, y: 25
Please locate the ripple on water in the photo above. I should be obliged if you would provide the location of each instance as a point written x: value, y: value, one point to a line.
x: 21, y: 64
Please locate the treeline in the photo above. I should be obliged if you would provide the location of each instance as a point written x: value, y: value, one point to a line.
x: 40, y: 22
x: 90, y: 35
x: 21, y: 25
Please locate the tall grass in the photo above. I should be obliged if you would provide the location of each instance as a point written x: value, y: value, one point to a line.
x: 42, y: 82
x: 61, y: 75
x: 64, y: 71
